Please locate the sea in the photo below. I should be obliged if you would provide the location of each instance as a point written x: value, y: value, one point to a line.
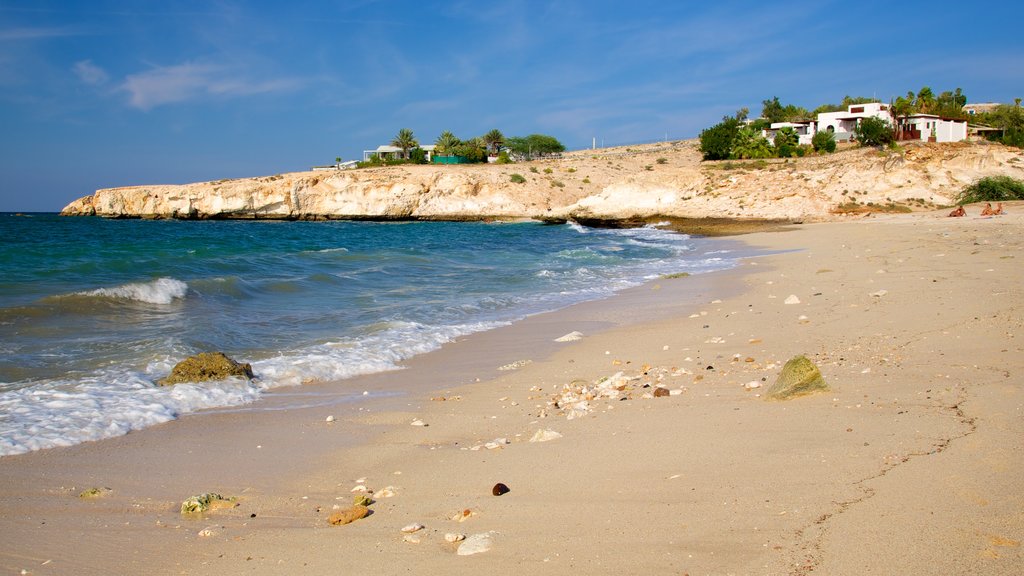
x: 93, y: 311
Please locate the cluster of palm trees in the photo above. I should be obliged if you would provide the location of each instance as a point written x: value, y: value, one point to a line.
x: 449, y: 144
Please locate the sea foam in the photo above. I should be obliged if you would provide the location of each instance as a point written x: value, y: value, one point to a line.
x: 159, y: 291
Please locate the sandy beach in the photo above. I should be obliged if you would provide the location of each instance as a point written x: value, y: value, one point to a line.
x: 910, y: 464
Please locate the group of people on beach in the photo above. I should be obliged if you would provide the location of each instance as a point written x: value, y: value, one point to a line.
x: 988, y: 210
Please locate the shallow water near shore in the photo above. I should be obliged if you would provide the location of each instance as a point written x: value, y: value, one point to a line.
x: 93, y: 311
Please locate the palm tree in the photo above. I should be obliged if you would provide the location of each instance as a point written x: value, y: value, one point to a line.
x: 406, y: 141
x: 445, y: 143
x: 494, y: 139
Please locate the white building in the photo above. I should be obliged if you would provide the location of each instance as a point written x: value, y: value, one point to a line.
x: 932, y: 128
x: 386, y: 151
x: 923, y: 127
x: 805, y: 130
x: 842, y: 123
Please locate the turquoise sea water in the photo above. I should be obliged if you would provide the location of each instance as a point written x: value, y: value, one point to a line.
x: 93, y: 311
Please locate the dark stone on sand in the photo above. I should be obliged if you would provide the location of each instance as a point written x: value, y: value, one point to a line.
x: 799, y: 377
x: 500, y: 489
x: 206, y: 366
x: 660, y: 392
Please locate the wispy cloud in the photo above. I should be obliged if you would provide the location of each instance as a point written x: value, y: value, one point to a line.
x: 196, y: 81
x: 90, y: 73
x: 37, y: 33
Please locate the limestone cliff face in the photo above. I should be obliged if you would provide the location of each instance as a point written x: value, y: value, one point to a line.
x: 649, y: 181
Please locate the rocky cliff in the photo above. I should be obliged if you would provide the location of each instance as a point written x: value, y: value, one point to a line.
x: 658, y: 180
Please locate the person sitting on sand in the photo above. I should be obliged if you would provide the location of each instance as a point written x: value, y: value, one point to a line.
x: 999, y: 210
x: 987, y: 210
x: 958, y: 212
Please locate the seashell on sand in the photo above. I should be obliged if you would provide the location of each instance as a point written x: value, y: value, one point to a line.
x: 414, y: 527
x: 476, y: 544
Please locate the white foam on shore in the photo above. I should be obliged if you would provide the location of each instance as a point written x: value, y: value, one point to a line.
x: 159, y: 291
x: 115, y: 402
x: 104, y: 405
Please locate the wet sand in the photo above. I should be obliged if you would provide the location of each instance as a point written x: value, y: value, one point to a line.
x: 910, y: 464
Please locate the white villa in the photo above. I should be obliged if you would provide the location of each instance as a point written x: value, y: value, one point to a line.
x: 921, y: 127
x: 386, y: 151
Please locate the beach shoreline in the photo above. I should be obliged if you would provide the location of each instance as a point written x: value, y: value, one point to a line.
x: 707, y: 480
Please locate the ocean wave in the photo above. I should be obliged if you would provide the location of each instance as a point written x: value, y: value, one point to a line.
x: 159, y: 291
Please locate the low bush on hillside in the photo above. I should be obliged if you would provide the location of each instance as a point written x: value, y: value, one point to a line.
x: 517, y: 179
x: 873, y: 131
x: 992, y: 189
x: 824, y: 141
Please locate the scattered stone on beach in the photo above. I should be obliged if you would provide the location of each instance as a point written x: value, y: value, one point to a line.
x: 418, y: 422
x: 792, y: 299
x: 475, y: 544
x: 799, y: 377
x: 752, y: 385
x: 206, y: 532
x: 414, y: 527
x: 514, y: 365
x: 500, y: 489
x: 879, y: 293
x: 330, y: 418
x: 386, y: 492
x: 348, y: 515
x: 453, y: 537
x: 570, y: 337
x: 206, y: 366
x: 361, y: 488
x: 412, y: 538
x: 94, y: 492
x: 545, y: 436
x: 496, y: 443
x: 660, y: 392
x: 463, y: 515
x: 206, y: 501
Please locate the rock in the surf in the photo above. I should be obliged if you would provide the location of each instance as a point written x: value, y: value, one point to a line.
x: 206, y: 366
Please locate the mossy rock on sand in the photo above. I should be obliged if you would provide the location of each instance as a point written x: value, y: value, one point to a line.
x: 206, y: 366
x: 799, y: 377
x: 206, y: 501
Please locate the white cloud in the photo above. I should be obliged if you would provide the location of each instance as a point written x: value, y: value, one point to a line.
x: 90, y: 73
x: 195, y: 81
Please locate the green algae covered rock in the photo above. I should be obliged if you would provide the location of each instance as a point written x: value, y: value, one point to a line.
x: 799, y: 377
x: 206, y: 501
x: 206, y: 366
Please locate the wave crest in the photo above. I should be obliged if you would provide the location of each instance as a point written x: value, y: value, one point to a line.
x: 159, y: 291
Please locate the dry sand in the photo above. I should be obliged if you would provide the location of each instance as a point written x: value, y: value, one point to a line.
x: 911, y: 464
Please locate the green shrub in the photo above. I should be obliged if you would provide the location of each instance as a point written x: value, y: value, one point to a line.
x: 418, y: 155
x: 662, y: 160
x: 824, y: 141
x: 571, y: 170
x: 517, y: 179
x: 503, y: 158
x: 1014, y: 137
x: 716, y: 141
x: 586, y: 180
x: 533, y: 169
x: 557, y: 184
x: 872, y: 131
x: 992, y: 189
x: 649, y: 167
x: 548, y: 170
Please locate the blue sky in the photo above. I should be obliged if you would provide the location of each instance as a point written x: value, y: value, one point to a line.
x: 97, y: 93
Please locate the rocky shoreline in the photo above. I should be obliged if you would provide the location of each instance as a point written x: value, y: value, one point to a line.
x: 608, y: 187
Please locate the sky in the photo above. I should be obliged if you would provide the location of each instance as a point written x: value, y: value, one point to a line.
x: 103, y: 93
